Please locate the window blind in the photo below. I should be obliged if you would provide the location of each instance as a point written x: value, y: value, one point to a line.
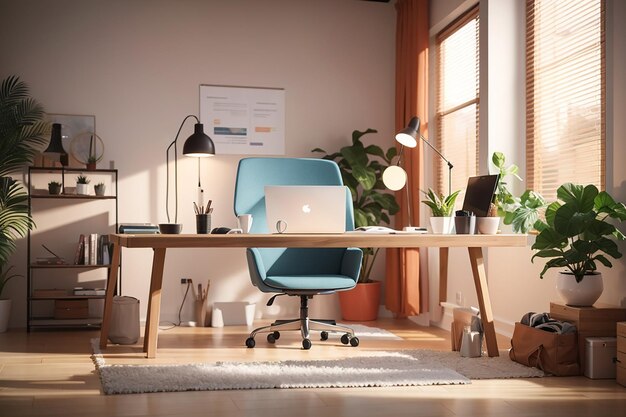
x: 457, y: 101
x: 565, y: 94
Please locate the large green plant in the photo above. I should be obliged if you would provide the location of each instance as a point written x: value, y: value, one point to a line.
x: 576, y: 233
x: 363, y: 176
x: 22, y: 135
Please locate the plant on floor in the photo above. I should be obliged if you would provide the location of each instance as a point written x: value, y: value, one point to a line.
x: 22, y: 135
x: 576, y: 232
x: 363, y: 176
x: 5, y: 277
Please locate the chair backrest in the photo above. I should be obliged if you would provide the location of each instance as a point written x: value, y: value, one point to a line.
x: 253, y: 174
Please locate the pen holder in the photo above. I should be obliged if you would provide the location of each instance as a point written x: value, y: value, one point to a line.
x: 203, y: 223
x: 464, y: 223
x: 200, y: 313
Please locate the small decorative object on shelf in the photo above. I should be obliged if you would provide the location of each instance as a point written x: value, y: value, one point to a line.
x: 54, y: 188
x: 91, y: 163
x: 82, y: 185
x: 99, y: 189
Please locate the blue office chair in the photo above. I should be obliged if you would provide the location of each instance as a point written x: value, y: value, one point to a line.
x: 301, y: 272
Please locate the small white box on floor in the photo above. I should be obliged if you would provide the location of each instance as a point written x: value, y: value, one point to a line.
x: 234, y: 313
x: 601, y: 354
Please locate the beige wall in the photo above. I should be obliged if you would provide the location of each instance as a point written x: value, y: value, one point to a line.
x: 137, y: 65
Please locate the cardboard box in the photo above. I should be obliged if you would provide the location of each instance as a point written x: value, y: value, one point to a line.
x: 71, y: 309
x: 621, y: 353
x: 597, y: 321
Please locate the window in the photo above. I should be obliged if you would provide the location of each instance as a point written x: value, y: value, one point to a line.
x: 457, y: 101
x: 565, y: 94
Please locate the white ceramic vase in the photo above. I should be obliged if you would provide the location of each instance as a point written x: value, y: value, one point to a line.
x: 5, y: 312
x: 583, y: 293
x: 487, y: 225
x: 82, y: 189
x: 442, y: 225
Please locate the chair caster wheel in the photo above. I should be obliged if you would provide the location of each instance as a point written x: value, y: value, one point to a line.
x: 306, y: 344
x: 273, y: 337
x: 354, y: 342
x: 345, y: 339
x: 250, y: 342
x: 324, y: 335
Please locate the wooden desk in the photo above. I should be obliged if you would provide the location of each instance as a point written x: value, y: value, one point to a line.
x: 160, y: 243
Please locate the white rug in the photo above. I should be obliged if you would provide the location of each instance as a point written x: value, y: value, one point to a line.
x: 378, y: 369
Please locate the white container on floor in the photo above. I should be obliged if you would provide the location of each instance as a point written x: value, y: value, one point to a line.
x: 234, y: 313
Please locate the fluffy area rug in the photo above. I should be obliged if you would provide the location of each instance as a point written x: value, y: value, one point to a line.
x: 377, y: 369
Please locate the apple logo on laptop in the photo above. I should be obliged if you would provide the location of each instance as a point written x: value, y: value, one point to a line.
x: 306, y: 209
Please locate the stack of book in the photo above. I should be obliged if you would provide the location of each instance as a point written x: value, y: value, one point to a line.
x: 89, y: 291
x: 138, y: 228
x: 93, y: 249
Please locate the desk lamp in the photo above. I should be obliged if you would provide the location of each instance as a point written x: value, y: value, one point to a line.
x: 197, y: 145
x: 395, y: 177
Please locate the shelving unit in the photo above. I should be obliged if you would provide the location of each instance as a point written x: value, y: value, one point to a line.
x: 64, y: 226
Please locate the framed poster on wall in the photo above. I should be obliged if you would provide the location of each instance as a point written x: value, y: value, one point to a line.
x: 244, y: 120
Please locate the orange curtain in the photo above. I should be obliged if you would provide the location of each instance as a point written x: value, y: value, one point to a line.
x: 406, y: 291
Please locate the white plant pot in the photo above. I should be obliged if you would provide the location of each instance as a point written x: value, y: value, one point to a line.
x: 487, y: 225
x: 442, y: 225
x: 82, y: 189
x: 5, y: 312
x: 583, y: 293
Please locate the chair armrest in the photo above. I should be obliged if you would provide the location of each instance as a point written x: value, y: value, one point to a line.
x: 351, y: 263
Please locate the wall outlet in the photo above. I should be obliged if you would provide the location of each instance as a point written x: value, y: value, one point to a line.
x: 459, y: 298
x: 184, y: 281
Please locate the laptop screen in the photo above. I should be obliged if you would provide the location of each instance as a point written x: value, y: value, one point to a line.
x: 479, y: 194
x: 306, y: 209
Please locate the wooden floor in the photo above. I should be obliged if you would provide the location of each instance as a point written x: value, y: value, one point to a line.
x: 50, y: 373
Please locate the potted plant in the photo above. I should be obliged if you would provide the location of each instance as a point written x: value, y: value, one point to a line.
x: 5, y: 303
x: 576, y: 236
x: 442, y: 208
x: 99, y: 189
x: 22, y: 135
x: 54, y: 187
x: 519, y: 212
x: 82, y: 185
x: 91, y: 163
x: 372, y: 206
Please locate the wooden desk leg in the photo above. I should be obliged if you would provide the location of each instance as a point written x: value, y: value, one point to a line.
x: 484, y: 302
x: 443, y: 275
x: 154, y: 303
x: 108, y: 298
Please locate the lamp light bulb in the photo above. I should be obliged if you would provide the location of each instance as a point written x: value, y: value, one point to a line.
x: 394, y: 178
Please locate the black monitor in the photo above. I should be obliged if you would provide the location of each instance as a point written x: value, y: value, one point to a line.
x: 479, y: 194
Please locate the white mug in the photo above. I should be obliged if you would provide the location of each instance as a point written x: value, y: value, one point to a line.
x: 245, y: 222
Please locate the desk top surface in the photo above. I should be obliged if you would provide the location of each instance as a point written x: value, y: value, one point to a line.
x: 339, y: 240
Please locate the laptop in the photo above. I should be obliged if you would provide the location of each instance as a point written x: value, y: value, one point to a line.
x: 479, y: 194
x: 306, y: 208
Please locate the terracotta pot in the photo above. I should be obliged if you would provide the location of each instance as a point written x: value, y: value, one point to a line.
x: 360, y: 303
x: 91, y: 166
x: 581, y: 294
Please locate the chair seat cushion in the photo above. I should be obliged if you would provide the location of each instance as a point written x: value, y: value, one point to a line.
x: 310, y: 282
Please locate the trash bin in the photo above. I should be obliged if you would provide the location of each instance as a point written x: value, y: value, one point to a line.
x: 124, y: 320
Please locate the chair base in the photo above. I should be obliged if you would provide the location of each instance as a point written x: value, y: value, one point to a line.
x: 305, y: 325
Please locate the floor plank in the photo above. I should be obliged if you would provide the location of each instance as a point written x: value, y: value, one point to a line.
x: 50, y: 373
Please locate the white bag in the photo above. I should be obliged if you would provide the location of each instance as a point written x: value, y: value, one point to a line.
x: 124, y: 320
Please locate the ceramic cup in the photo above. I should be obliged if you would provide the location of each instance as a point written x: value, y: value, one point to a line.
x: 245, y: 222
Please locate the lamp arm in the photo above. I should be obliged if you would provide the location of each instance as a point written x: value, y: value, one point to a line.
x: 167, y: 175
x: 450, y: 166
